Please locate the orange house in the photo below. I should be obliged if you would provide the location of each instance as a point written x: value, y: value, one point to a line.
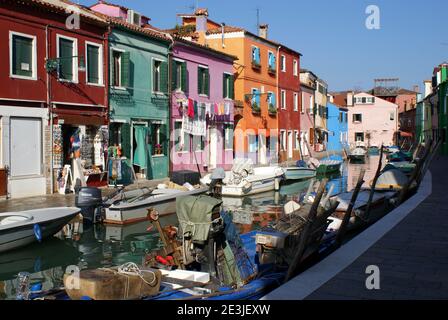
x: 255, y: 76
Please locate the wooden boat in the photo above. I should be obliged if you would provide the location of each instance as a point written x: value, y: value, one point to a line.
x: 357, y: 154
x: 135, y: 209
x: 404, y: 166
x: 329, y: 166
x: 18, y: 229
x: 299, y: 173
x: 391, y: 180
x: 374, y: 151
x: 245, y: 179
x: 399, y: 156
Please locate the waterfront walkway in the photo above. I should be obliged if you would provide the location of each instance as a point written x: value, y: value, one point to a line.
x: 409, y: 246
x: 61, y: 200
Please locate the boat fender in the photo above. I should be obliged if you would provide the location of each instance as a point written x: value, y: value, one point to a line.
x: 162, y: 260
x: 37, y: 232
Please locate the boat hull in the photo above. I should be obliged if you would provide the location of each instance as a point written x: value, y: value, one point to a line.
x: 256, y: 187
x: 299, y: 173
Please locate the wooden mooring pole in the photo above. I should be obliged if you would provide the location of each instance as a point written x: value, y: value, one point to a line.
x: 306, y: 230
x: 373, y: 186
x: 345, y: 221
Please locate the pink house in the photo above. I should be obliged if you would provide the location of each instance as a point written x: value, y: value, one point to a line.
x: 371, y: 121
x: 202, y: 109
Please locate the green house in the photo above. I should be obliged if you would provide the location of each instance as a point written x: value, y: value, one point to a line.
x: 443, y: 108
x: 138, y: 100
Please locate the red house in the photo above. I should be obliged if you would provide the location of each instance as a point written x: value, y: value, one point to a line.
x: 53, y: 98
x: 289, y: 106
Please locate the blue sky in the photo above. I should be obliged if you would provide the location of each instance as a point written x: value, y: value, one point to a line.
x: 331, y: 34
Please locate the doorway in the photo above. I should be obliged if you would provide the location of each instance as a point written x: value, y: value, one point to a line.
x: 213, y: 148
x: 139, y: 147
x: 290, y: 143
x: 262, y: 151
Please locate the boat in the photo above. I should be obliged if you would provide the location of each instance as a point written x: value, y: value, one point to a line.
x: 358, y: 154
x: 328, y: 166
x: 390, y: 180
x: 391, y: 149
x: 399, y: 156
x: 374, y: 151
x: 133, y: 209
x: 245, y: 179
x: 404, y: 166
x: 18, y: 229
x: 299, y: 172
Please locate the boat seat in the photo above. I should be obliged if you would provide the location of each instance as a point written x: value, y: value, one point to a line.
x: 10, y: 218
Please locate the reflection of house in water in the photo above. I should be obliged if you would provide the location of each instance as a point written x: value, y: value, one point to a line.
x: 353, y: 171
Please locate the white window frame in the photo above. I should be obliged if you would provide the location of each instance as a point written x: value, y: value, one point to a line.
x: 152, y: 75
x: 296, y: 101
x: 121, y: 51
x: 34, y: 55
x: 252, y: 55
x: 207, y: 68
x: 179, y: 61
x: 283, y: 101
x: 296, y: 68
x: 273, y: 54
x: 296, y: 145
x: 100, y: 64
x: 283, y: 62
x: 74, y: 55
x: 229, y: 85
x: 311, y: 105
x: 302, y: 107
x: 283, y: 142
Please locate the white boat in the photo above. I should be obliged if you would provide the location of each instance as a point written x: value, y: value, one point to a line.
x: 136, y: 209
x: 245, y: 179
x: 358, y: 154
x: 18, y: 229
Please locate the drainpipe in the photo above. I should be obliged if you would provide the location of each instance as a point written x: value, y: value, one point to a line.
x: 278, y: 103
x: 170, y: 102
x: 50, y: 111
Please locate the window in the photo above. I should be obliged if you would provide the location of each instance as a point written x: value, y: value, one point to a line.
x: 256, y: 57
x: 159, y: 76
x: 120, y: 62
x: 198, y: 143
x: 157, y: 66
x: 296, y: 101
x: 296, y: 140
x: 392, y: 116
x: 302, y: 106
x: 359, y: 136
x: 296, y: 68
x: 94, y: 71
x: 179, y: 76
x: 272, y: 104
x: 228, y: 86
x: 357, y: 117
x: 158, y: 138
x: 181, y: 145
x: 271, y: 62
x: 23, y: 53
x: 283, y: 63
x: 67, y: 50
x: 311, y: 105
x: 256, y: 100
x: 228, y: 136
x: 283, y: 99
x: 253, y: 142
x: 203, y: 81
x: 283, y: 140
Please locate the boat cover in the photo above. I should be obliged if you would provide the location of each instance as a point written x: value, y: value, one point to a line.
x: 195, y: 215
x: 240, y: 170
x: 391, y: 179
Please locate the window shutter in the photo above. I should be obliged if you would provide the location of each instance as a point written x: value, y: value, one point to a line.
x: 164, y: 77
x: 224, y: 85
x: 66, y: 61
x: 258, y: 98
x: 112, y: 68
x: 174, y: 84
x: 125, y: 69
x: 232, y: 87
x: 93, y: 64
x: 22, y: 53
x: 200, y: 70
x: 273, y: 99
x: 126, y: 140
x: 184, y: 77
x: 207, y: 82
x: 258, y: 55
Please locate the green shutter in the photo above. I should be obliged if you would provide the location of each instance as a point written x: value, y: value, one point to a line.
x: 66, y: 59
x: 22, y: 53
x: 174, y: 84
x: 112, y: 68
x: 207, y: 82
x: 224, y: 85
x: 126, y: 140
x: 125, y: 69
x: 93, y: 54
x: 232, y: 88
x: 184, y: 77
x: 164, y: 77
x: 200, y: 70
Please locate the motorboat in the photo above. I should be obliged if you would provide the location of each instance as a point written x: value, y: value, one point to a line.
x: 244, y: 179
x: 358, y: 154
x: 18, y: 229
x: 301, y: 171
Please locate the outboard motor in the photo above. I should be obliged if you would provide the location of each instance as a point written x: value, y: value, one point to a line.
x: 217, y: 178
x: 90, y: 201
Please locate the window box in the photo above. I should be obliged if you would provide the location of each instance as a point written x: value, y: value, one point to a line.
x: 256, y: 65
x: 255, y: 107
x: 272, y: 70
x: 272, y: 109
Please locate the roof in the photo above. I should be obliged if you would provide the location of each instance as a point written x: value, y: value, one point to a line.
x: 303, y: 70
x: 63, y: 6
x: 115, y: 5
x: 203, y: 47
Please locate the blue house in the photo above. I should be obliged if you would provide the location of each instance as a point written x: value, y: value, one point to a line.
x: 337, y: 126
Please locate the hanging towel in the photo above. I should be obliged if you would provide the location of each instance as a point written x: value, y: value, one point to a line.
x: 207, y: 109
x: 216, y: 108
x: 191, y: 108
x: 227, y: 108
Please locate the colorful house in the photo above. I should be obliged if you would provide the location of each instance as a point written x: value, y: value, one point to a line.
x: 256, y: 119
x: 308, y: 87
x: 53, y: 99
x: 423, y: 114
x: 442, y: 106
x: 320, y: 115
x: 202, y: 111
x: 289, y: 103
x: 139, y: 92
x: 337, y: 126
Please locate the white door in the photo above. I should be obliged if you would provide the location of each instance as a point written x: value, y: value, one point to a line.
x: 26, y: 147
x: 262, y: 152
x: 213, y: 147
x: 290, y: 144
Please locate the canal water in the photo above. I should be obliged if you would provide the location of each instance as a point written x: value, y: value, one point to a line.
x: 107, y: 246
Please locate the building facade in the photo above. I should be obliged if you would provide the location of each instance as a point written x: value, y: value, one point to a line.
x: 139, y: 92
x: 202, y: 110
x: 337, y: 126
x: 320, y: 115
x: 54, y: 102
x: 308, y: 87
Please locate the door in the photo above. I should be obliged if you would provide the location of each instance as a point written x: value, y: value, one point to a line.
x: 262, y: 151
x: 213, y: 148
x: 139, y: 148
x: 26, y: 147
x: 290, y: 145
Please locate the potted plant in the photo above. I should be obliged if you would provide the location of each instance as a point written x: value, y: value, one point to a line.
x: 255, y: 107
x: 272, y: 109
x: 158, y: 149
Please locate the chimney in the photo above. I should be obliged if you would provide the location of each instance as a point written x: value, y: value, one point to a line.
x: 263, y: 31
x: 201, y: 24
x: 350, y: 99
x: 428, y: 88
